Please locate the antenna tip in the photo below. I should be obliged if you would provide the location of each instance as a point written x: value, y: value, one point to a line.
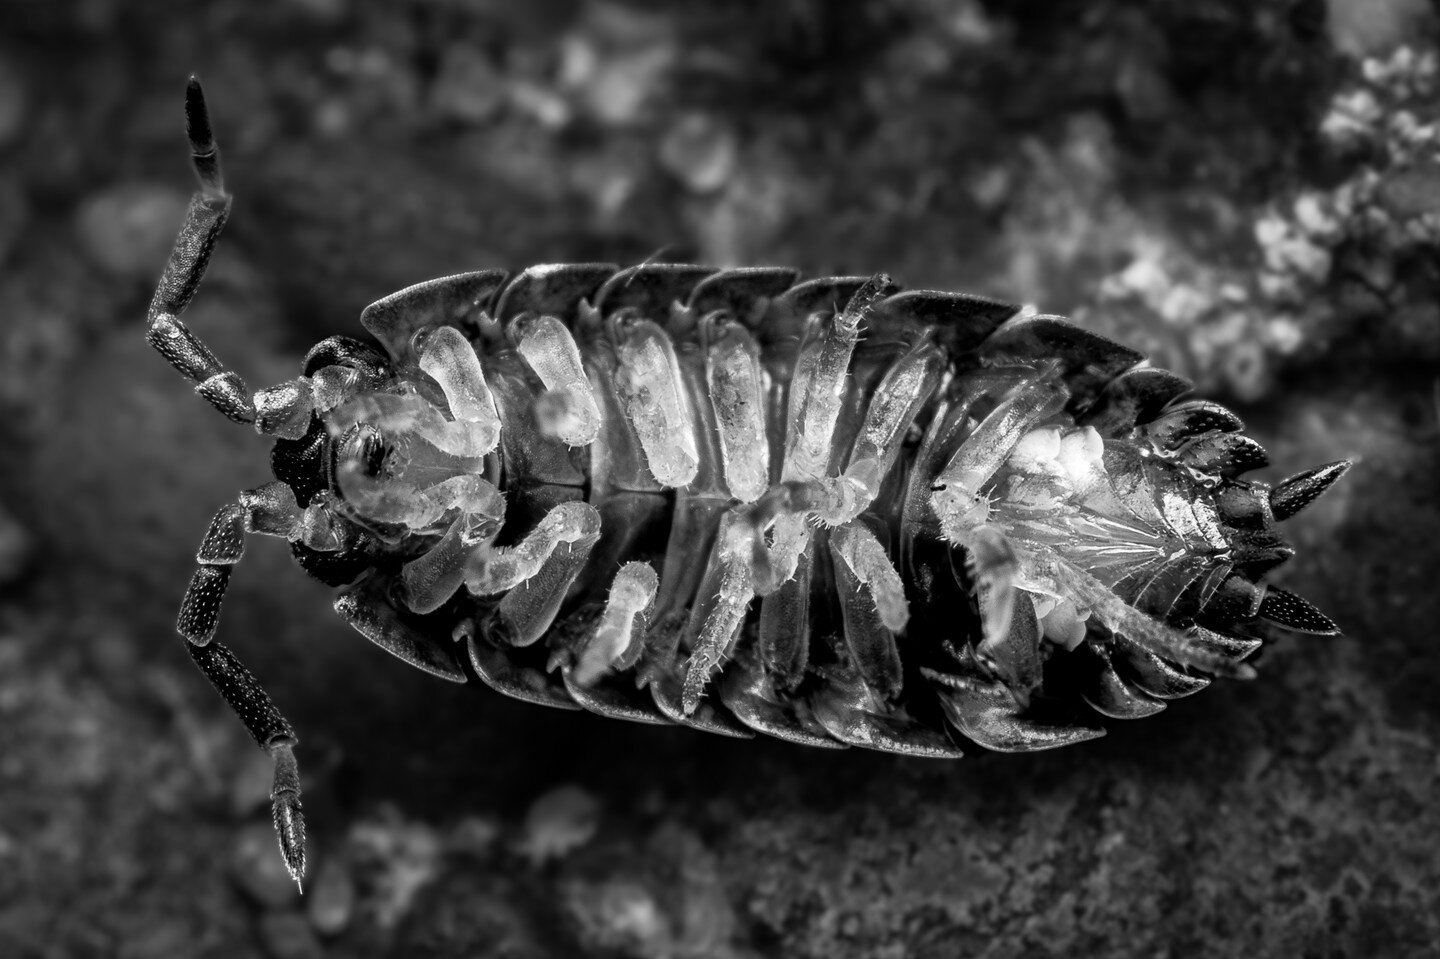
x: 197, y: 116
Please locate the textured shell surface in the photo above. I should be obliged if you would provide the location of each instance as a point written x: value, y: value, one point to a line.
x: 830, y: 511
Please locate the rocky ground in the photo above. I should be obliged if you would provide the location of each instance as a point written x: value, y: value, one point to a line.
x: 1245, y: 189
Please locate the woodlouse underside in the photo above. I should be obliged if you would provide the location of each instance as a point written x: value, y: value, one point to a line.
x: 830, y: 511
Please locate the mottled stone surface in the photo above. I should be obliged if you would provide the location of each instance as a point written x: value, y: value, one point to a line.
x: 1162, y: 170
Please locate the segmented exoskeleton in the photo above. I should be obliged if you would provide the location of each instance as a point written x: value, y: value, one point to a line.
x: 830, y: 511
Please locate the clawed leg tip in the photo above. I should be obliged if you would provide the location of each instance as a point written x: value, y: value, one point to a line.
x: 206, y: 157
x: 195, y: 104
x: 292, y: 850
x: 285, y: 809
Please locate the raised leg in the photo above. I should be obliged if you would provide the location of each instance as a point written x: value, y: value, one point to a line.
x: 269, y: 509
x: 282, y: 410
x: 209, y: 207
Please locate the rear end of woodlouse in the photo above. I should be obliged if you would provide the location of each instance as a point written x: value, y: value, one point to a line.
x: 831, y: 511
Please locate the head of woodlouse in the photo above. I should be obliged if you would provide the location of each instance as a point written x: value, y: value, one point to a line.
x: 356, y: 453
x: 394, y: 459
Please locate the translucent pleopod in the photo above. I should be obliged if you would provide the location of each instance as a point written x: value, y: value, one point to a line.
x: 831, y: 511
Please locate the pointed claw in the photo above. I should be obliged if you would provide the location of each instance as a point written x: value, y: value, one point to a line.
x: 285, y: 810
x: 1284, y: 608
x: 204, y: 154
x: 1302, y: 489
x: 197, y: 117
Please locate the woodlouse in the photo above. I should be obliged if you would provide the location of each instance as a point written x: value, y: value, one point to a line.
x: 952, y: 515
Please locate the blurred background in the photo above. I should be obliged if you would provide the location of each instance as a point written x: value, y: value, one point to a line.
x: 1246, y: 189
